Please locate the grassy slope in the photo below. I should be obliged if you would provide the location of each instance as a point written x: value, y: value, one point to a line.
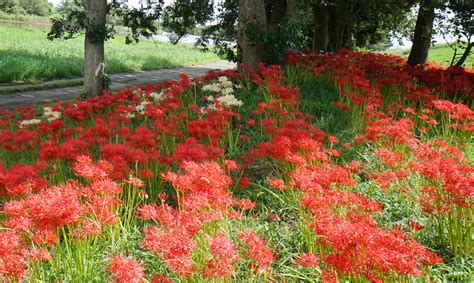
x: 441, y: 54
x: 26, y: 55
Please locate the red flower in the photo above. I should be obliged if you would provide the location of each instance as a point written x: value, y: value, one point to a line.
x: 174, y: 246
x: 278, y: 184
x: 307, y: 260
x: 126, y: 270
x: 257, y: 250
x: 224, y: 256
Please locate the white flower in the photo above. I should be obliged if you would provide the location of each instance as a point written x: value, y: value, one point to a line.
x: 51, y: 115
x: 229, y: 101
x: 29, y: 122
x: 228, y: 84
x: 222, y: 79
x: 212, y: 87
x: 157, y: 96
x: 227, y: 91
x: 141, y: 107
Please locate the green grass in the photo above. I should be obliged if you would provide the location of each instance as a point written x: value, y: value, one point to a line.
x: 440, y: 53
x: 27, y: 56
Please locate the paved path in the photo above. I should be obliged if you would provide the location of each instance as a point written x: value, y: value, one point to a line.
x: 118, y: 81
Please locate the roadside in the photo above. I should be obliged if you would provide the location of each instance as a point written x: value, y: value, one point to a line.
x: 118, y: 81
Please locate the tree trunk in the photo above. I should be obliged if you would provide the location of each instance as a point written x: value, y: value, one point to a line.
x: 336, y: 26
x: 275, y: 16
x: 465, y: 55
x: 321, y: 27
x: 422, y: 36
x: 291, y: 7
x: 251, y: 18
x: 94, y: 48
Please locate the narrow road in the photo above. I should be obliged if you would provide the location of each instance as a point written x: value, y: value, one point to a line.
x: 118, y: 81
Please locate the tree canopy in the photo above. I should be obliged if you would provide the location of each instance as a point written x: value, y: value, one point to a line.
x: 27, y: 7
x: 97, y: 19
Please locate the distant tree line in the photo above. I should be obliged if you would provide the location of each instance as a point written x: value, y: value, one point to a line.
x: 27, y: 7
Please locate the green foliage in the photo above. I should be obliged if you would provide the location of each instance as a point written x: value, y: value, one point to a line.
x: 67, y: 5
x: 139, y: 21
x: 367, y: 23
x: 222, y: 32
x: 31, y: 7
x: 8, y: 5
x: 37, y: 7
x: 455, y: 20
x: 182, y: 16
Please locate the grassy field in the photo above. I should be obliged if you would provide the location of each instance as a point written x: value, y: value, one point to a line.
x: 441, y: 54
x: 27, y: 56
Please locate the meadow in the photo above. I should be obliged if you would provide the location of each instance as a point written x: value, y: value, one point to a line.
x: 343, y: 167
x: 440, y: 53
x: 26, y: 55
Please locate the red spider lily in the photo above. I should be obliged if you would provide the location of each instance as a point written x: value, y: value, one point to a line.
x: 11, y: 255
x: 257, y: 250
x: 224, y: 256
x: 359, y: 247
x: 307, y: 260
x: 244, y: 181
x: 278, y: 184
x: 191, y: 150
x: 125, y: 269
x: 49, y: 209
x: 174, y: 246
x: 204, y: 185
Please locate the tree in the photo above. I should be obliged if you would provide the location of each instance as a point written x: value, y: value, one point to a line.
x: 456, y: 19
x: 182, y: 16
x: 66, y: 6
x: 265, y: 29
x: 356, y: 23
x: 37, y: 7
x: 256, y: 25
x: 221, y: 31
x: 320, y: 11
x: 423, y: 32
x: 252, y: 20
x: 7, y: 5
x: 92, y: 17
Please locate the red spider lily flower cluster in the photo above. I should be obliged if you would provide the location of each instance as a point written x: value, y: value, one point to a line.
x: 203, y: 196
x: 125, y: 270
x: 36, y: 219
x: 257, y: 250
x: 354, y: 244
x: 60, y: 175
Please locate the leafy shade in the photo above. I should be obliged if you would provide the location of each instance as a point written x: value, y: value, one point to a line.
x: 182, y: 16
x: 140, y: 21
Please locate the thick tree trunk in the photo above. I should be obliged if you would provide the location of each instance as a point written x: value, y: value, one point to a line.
x: 321, y: 27
x: 336, y: 28
x: 422, y: 35
x: 251, y: 15
x: 464, y: 56
x: 94, y: 48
